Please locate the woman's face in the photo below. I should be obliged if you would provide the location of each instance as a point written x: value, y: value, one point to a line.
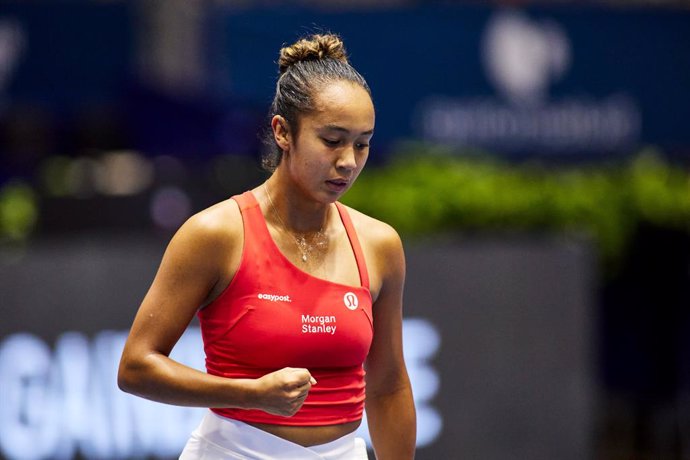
x: 332, y: 143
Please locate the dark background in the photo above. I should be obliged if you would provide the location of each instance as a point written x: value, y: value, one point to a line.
x: 120, y: 119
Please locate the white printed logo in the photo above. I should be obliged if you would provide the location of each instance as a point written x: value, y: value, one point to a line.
x: 350, y: 300
x: 275, y: 298
x: 319, y: 324
x: 523, y: 56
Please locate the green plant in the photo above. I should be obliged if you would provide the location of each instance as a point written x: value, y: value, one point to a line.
x: 18, y: 211
x: 426, y: 191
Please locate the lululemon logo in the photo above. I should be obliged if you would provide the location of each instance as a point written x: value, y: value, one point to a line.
x: 351, y: 301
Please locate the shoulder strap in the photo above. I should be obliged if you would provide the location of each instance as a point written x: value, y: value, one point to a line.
x: 245, y: 200
x: 256, y: 236
x: 354, y: 242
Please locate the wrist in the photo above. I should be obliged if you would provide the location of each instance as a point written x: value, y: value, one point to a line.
x: 248, y: 391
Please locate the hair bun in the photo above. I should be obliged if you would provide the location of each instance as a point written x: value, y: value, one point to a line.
x: 313, y: 48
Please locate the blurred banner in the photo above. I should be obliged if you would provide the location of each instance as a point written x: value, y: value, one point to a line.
x: 497, y: 339
x: 541, y: 80
x: 194, y: 78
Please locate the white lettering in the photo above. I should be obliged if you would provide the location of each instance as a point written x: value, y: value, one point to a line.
x: 65, y: 404
x: 318, y: 324
x: 58, y: 405
x: 309, y: 329
x: 275, y: 298
x: 567, y: 125
x: 318, y: 319
x: 25, y: 430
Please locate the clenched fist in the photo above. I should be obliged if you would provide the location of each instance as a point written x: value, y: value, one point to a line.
x: 283, y: 392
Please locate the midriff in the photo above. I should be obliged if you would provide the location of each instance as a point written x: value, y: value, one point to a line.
x: 309, y: 435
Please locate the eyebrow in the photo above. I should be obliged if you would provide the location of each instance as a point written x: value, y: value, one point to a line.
x: 345, y: 130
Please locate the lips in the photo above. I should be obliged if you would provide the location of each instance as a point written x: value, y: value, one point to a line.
x: 337, y: 185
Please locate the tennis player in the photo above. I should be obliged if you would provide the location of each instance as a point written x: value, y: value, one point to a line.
x: 299, y: 297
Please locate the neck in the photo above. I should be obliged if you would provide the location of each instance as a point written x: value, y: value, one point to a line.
x: 297, y: 213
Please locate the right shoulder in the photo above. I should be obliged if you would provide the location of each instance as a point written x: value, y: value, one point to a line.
x: 214, y: 230
x: 221, y: 220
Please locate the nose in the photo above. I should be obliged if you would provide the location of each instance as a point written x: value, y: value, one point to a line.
x: 347, y: 159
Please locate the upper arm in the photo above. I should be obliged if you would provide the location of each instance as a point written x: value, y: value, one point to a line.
x: 190, y: 268
x: 385, y: 363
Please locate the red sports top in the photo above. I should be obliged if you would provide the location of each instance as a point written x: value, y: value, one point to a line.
x: 274, y: 315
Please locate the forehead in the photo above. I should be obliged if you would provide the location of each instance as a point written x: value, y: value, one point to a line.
x: 345, y: 104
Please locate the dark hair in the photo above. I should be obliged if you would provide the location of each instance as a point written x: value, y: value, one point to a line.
x: 305, y: 67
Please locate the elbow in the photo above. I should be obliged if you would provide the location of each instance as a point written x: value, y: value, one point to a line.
x: 124, y: 381
x: 127, y: 376
x: 137, y: 372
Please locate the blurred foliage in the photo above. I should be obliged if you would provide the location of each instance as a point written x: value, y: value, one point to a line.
x: 426, y: 191
x: 18, y: 211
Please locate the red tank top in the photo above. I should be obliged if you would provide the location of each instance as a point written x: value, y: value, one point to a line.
x: 274, y: 315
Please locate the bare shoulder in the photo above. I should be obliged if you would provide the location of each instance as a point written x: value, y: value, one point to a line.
x: 221, y: 219
x: 215, y: 228
x: 373, y: 232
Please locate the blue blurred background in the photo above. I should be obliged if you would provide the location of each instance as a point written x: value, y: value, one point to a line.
x: 534, y: 155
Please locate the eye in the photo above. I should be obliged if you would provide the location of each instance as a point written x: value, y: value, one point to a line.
x: 361, y: 145
x: 331, y: 142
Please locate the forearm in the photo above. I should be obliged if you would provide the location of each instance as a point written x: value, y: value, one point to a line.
x: 159, y: 378
x: 392, y: 424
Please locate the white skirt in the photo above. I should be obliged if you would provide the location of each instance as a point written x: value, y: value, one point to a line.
x: 219, y: 438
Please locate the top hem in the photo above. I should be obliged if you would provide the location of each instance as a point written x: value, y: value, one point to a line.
x: 288, y: 421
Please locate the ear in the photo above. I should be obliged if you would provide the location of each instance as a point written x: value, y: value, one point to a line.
x: 281, y: 132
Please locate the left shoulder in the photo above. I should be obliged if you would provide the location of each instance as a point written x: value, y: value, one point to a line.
x: 383, y: 252
x: 374, y: 234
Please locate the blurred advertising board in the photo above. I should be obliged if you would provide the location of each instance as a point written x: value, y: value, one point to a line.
x: 566, y: 80
x: 497, y: 339
x: 559, y: 80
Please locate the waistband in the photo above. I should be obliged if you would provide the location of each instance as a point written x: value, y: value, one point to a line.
x: 229, y: 438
